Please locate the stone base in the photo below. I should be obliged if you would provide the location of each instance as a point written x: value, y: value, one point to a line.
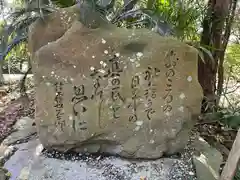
x: 28, y: 163
x: 22, y: 153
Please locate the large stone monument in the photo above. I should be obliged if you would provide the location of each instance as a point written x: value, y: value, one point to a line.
x: 119, y: 91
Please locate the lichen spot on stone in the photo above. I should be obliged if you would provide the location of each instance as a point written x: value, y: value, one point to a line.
x: 139, y: 123
x: 70, y: 117
x: 151, y: 141
x: 105, y: 51
x: 189, y: 78
x: 132, y: 60
x: 92, y: 68
x: 102, y: 71
x: 104, y: 65
x: 168, y: 114
x: 139, y: 54
x: 137, y: 128
x: 182, y: 96
x: 103, y: 41
x: 181, y: 108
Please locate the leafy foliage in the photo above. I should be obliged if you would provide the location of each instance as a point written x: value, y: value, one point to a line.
x: 237, y: 175
x: 232, y: 63
x: 185, y: 16
x: 15, y: 33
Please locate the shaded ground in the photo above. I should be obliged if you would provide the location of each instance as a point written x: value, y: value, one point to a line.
x: 217, y: 135
x: 12, y: 106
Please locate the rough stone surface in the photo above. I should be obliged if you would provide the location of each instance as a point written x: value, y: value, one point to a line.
x: 207, y: 160
x: 28, y: 163
x: 115, y: 91
x: 52, y: 28
x: 23, y: 129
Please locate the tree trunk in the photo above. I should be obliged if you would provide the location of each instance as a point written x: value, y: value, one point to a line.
x: 230, y: 167
x: 226, y: 36
x: 1, y: 73
x: 213, y: 25
x: 206, y: 76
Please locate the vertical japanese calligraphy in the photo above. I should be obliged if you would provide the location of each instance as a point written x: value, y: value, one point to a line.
x: 170, y: 64
x: 78, y: 97
x: 114, y: 74
x: 150, y: 92
x: 135, y: 87
x: 97, y: 92
x: 58, y: 105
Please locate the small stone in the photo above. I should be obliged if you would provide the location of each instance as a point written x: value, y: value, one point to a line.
x: 105, y: 51
x: 191, y: 173
x: 39, y: 149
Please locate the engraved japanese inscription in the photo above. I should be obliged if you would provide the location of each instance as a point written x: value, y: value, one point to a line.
x: 104, y: 97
